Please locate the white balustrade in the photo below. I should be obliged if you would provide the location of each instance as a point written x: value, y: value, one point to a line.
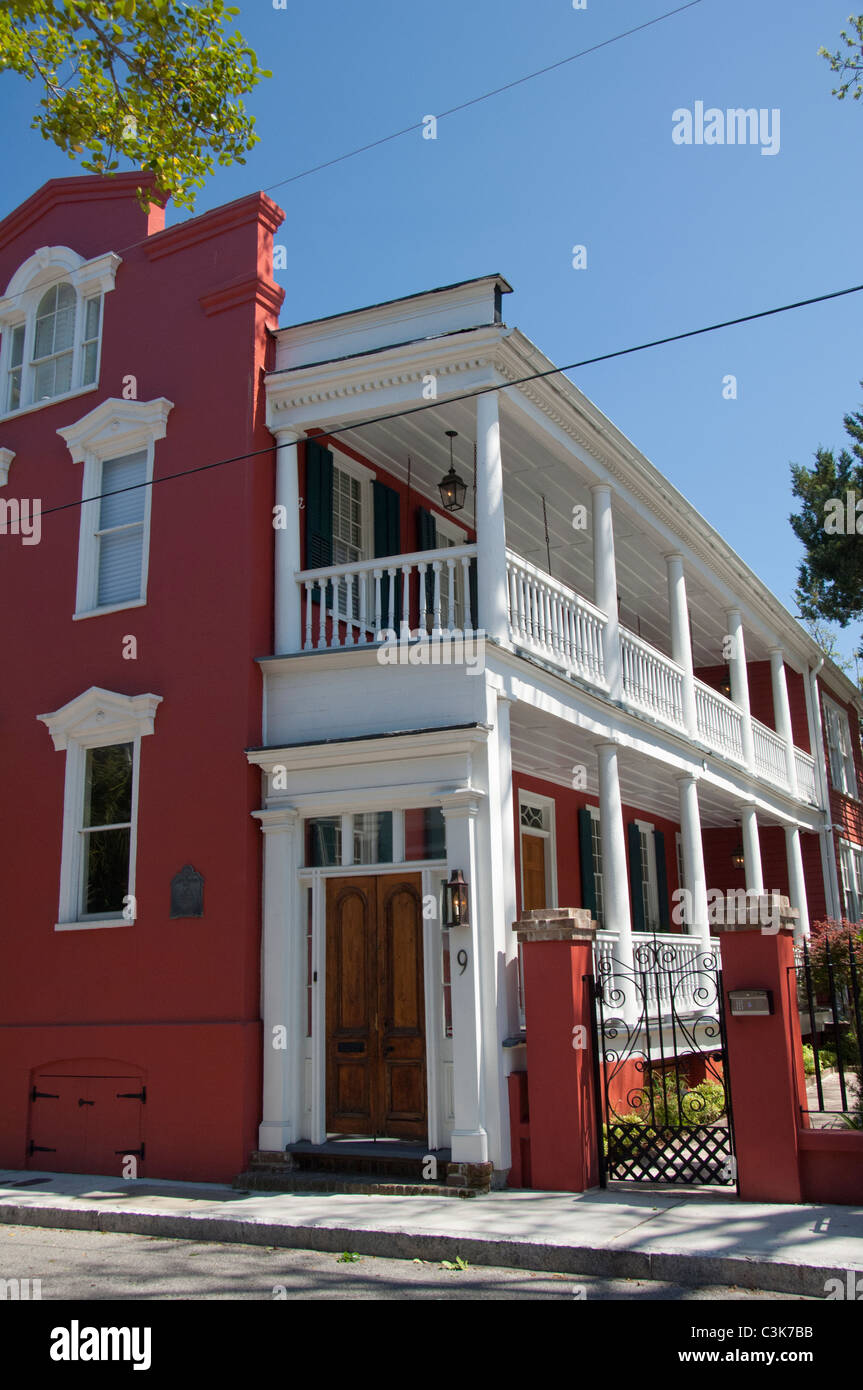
x: 806, y: 785
x: 720, y: 721
x: 665, y: 968
x: 652, y: 682
x: 553, y: 622
x: 355, y: 604
x: 769, y: 754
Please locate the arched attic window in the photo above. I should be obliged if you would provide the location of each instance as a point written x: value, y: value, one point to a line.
x: 51, y: 320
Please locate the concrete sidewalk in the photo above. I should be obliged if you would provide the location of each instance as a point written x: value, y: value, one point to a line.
x: 685, y: 1237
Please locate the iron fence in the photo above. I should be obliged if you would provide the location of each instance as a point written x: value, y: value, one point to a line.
x: 828, y: 976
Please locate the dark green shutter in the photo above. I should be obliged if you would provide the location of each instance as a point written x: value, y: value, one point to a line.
x: 473, y: 594
x: 385, y: 837
x: 636, y: 890
x: 661, y: 881
x: 427, y: 540
x: 585, y: 854
x: 387, y: 538
x: 319, y: 509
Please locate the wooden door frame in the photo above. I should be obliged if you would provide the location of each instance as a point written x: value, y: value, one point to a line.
x: 545, y: 804
x: 315, y: 1048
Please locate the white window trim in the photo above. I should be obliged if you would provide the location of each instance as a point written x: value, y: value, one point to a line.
x: 652, y: 879
x: 365, y: 476
x: 545, y: 804
x: 832, y: 711
x: 851, y: 862
x: 594, y: 815
x: 93, y: 720
x: 115, y: 428
x: 48, y: 266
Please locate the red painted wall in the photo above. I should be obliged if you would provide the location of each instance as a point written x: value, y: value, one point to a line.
x: 188, y: 318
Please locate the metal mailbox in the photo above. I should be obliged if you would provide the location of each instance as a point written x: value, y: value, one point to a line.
x: 755, y: 1002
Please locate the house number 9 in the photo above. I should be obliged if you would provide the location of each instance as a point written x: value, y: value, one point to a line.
x: 462, y: 960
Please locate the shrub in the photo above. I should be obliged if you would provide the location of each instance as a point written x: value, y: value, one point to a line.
x: 809, y: 1059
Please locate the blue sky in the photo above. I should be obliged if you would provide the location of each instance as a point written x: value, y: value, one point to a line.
x: 676, y: 236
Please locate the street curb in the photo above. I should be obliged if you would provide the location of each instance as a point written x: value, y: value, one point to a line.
x: 743, y: 1271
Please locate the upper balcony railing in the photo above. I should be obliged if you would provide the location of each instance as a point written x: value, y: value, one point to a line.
x: 430, y: 592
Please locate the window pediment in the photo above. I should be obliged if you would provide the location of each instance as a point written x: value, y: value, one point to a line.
x: 101, y: 716
x: 49, y: 265
x: 117, y: 427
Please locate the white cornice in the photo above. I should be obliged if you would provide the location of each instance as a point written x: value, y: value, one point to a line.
x: 355, y: 752
x: 6, y: 457
x: 101, y: 716
x: 337, y: 388
x: 117, y: 427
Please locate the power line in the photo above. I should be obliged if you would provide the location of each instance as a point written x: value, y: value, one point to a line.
x: 406, y: 130
x: 485, y: 96
x: 481, y: 391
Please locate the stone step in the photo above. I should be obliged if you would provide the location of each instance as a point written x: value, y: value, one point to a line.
x: 285, y: 1179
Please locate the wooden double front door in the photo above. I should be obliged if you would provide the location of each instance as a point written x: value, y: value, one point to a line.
x: 376, y: 1057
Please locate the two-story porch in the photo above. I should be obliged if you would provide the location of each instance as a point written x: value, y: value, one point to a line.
x: 560, y: 643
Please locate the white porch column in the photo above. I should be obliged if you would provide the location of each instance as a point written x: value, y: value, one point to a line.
x: 796, y: 881
x: 693, y: 858
x: 751, y: 850
x: 605, y: 585
x: 490, y: 522
x: 615, y: 878
x: 287, y: 629
x: 281, y: 980
x: 740, y: 682
x: 681, y: 645
x: 469, y: 1137
x: 782, y: 713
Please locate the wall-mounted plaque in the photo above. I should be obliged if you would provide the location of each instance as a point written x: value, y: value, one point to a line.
x: 187, y: 893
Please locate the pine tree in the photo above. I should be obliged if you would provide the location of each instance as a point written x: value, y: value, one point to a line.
x: 830, y: 579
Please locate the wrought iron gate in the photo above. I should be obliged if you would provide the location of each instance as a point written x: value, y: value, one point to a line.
x: 661, y: 1066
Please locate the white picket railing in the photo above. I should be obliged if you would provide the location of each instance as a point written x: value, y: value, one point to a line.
x: 667, y: 977
x: 553, y: 621
x: 354, y: 604
x: 770, y: 760
x: 806, y: 785
x: 652, y: 682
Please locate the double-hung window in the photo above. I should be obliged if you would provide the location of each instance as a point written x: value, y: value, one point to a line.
x: 100, y: 732
x: 840, y: 749
x: 596, y: 842
x: 51, y: 327
x: 116, y: 443
x: 851, y: 862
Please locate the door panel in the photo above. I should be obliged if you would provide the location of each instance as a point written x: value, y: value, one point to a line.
x: 533, y: 871
x: 376, y: 1080
x: 351, y: 1049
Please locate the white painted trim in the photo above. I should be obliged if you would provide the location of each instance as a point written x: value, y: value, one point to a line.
x: 6, y: 458
x: 652, y: 879
x: 114, y: 429
x: 110, y: 608
x: 545, y: 804
x: 49, y: 266
x: 94, y: 720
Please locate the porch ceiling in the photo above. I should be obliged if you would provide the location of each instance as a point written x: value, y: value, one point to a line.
x: 545, y: 747
x: 536, y: 466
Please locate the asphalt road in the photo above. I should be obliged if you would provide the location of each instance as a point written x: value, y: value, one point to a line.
x: 94, y: 1265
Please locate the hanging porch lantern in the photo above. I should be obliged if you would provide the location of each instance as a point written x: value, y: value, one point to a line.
x: 452, y: 487
x: 738, y: 858
x: 456, y: 892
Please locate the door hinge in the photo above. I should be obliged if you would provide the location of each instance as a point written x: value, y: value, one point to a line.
x: 134, y: 1095
x: 40, y: 1149
x: 42, y: 1095
x: 127, y: 1153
